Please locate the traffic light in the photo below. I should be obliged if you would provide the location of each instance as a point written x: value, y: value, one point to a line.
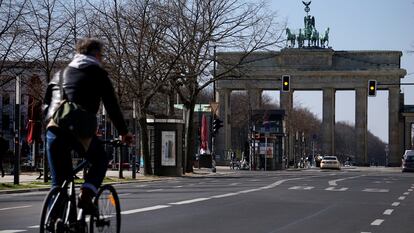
x: 372, y: 87
x: 285, y: 83
x: 217, y: 124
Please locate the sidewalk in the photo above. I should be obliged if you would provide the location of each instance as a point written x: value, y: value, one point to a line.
x: 31, y: 178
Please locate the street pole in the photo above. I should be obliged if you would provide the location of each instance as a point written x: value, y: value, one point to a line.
x: 17, y: 132
x: 134, y: 158
x: 265, y: 155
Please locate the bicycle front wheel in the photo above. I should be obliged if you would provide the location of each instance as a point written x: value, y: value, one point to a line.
x: 51, y: 211
x: 109, y: 217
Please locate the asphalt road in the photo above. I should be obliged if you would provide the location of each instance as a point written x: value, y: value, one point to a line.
x: 244, y: 201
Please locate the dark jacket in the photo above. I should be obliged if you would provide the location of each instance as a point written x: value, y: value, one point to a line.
x: 87, y: 85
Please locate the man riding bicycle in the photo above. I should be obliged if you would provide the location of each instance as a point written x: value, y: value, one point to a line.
x: 87, y: 84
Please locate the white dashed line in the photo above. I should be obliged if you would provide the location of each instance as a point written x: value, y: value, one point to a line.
x: 401, y: 198
x: 178, y: 186
x: 373, y: 190
x: 301, y: 188
x: 388, y: 212
x: 225, y: 195
x: 406, y: 193
x: 395, y: 204
x: 336, y: 190
x: 33, y: 227
x: 154, y: 190
x: 190, y: 201
x: 377, y: 222
x: 157, y: 207
x: 12, y: 231
x: 410, y: 190
x: 15, y: 207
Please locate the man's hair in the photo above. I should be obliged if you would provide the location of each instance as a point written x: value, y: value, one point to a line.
x: 89, y: 46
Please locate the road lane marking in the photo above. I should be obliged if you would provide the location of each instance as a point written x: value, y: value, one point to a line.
x: 373, y: 190
x: 334, y: 182
x: 34, y: 227
x: 395, y: 204
x: 406, y: 193
x: 410, y: 190
x: 141, y: 185
x: 225, y: 195
x: 401, y: 198
x: 16, y: 207
x: 190, y: 201
x: 377, y: 222
x: 124, y: 194
x: 388, y: 212
x: 154, y: 190
x: 157, y: 207
x: 336, y: 190
x: 234, y: 184
x: 178, y: 186
x: 12, y: 231
x: 301, y: 188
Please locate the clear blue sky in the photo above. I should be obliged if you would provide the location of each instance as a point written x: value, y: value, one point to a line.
x: 358, y: 25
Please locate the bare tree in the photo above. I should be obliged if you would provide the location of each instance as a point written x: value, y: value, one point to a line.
x: 203, y: 25
x: 46, y: 27
x: 140, y: 57
x: 12, y: 48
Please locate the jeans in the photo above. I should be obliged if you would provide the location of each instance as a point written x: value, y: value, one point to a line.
x: 59, y: 148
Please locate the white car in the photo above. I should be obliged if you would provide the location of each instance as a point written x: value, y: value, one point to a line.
x: 331, y: 162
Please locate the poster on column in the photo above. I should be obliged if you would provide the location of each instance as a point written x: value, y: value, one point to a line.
x: 168, y: 148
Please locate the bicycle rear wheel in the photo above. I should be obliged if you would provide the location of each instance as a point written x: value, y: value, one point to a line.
x: 51, y: 210
x: 109, y: 217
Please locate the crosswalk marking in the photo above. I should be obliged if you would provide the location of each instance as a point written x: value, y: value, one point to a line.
x: 377, y: 222
x: 301, y: 188
x: 388, y: 212
x: 336, y: 189
x: 374, y: 190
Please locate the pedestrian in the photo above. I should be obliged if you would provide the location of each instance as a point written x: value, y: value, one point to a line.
x: 4, y: 147
x: 84, y: 82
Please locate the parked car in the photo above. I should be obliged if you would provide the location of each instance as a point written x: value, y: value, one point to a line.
x: 331, y: 162
x: 408, y: 161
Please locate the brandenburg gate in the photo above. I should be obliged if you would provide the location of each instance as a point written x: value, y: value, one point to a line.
x: 313, y: 66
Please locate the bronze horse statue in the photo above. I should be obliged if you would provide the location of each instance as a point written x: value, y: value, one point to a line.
x: 325, y: 39
x: 291, y: 37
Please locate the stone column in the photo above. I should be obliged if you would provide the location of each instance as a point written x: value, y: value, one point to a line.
x: 223, y: 138
x: 286, y: 103
x: 328, y: 122
x: 361, y: 126
x: 393, y: 128
x: 255, y: 98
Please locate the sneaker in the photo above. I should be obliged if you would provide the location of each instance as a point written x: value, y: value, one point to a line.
x: 85, y: 201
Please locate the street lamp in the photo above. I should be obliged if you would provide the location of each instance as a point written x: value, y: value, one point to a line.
x: 17, y: 132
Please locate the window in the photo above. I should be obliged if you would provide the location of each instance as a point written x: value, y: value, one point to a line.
x: 5, y: 122
x: 6, y: 99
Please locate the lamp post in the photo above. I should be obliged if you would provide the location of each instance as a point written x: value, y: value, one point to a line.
x: 134, y: 157
x: 17, y: 132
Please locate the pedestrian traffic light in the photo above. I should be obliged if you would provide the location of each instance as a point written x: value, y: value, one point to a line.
x: 372, y: 87
x: 217, y: 124
x: 285, y: 83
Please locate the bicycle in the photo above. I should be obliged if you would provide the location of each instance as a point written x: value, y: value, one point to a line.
x: 60, y: 213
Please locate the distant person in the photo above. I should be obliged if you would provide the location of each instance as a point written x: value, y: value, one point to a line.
x: 4, y: 147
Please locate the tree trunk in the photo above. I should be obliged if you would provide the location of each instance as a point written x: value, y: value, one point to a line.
x: 190, y: 140
x: 145, y: 146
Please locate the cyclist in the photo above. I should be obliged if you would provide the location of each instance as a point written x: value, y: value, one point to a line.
x: 86, y: 83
